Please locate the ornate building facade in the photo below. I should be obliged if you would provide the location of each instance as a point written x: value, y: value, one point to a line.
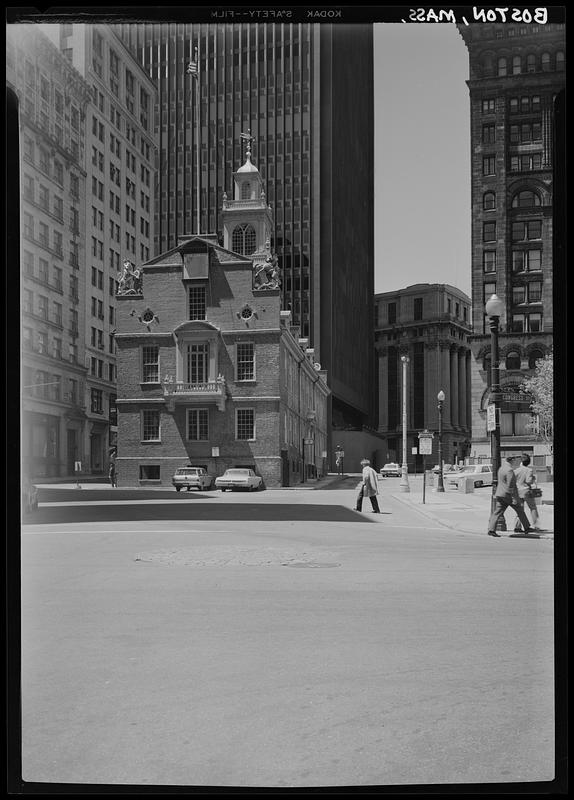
x: 211, y: 370
x: 430, y: 324
x: 515, y: 71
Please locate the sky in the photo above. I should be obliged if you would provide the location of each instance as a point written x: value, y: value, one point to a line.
x: 422, y: 156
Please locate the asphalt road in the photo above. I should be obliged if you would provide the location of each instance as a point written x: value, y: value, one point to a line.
x: 280, y: 639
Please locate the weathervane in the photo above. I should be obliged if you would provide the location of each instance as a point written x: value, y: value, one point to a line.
x: 248, y: 138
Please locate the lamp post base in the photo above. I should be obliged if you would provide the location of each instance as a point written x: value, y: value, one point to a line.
x: 405, y: 479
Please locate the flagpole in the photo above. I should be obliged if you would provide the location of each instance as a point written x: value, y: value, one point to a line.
x: 198, y: 142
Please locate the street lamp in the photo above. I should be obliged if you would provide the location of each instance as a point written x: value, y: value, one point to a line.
x: 494, y: 308
x: 404, y: 469
x: 440, y: 482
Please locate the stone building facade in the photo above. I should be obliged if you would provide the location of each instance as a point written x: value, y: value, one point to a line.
x: 210, y: 369
x: 430, y: 324
x: 516, y: 72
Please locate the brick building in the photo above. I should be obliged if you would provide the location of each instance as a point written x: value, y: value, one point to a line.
x: 210, y: 370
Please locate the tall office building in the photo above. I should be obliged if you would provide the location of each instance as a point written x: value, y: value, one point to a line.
x: 305, y: 93
x: 52, y: 101
x: 120, y: 176
x: 516, y: 72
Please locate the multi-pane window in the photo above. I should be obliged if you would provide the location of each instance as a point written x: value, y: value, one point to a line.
x: 489, y: 106
x: 150, y: 425
x: 489, y: 165
x: 526, y: 260
x: 150, y: 364
x: 488, y: 134
x: 418, y: 308
x: 526, y: 323
x: 97, y: 401
x: 197, y: 302
x: 243, y: 239
x: 535, y: 292
x: 245, y: 361
x: 392, y: 313
x: 525, y: 199
x: 198, y: 424
x: 526, y: 132
x: 526, y: 163
x: 489, y: 201
x: 197, y: 363
x: 489, y: 231
x: 245, y: 424
x: 522, y: 231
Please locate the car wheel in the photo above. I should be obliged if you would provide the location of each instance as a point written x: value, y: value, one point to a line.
x: 478, y: 484
x: 177, y: 488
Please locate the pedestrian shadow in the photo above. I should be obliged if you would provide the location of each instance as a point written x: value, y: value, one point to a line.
x: 522, y: 535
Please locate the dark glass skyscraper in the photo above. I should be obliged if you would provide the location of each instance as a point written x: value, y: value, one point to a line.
x: 305, y: 93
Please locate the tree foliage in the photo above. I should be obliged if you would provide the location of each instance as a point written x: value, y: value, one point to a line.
x: 540, y: 386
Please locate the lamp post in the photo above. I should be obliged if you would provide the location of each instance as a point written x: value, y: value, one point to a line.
x: 440, y: 480
x: 494, y: 308
x: 404, y: 469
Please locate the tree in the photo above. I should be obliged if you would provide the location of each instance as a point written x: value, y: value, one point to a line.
x: 540, y: 386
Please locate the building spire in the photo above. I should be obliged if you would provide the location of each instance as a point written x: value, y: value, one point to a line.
x: 248, y: 138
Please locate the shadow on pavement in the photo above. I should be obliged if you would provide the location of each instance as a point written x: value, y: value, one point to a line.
x: 276, y: 512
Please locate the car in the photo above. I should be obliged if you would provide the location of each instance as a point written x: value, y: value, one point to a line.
x: 192, y: 478
x: 482, y: 474
x: 391, y: 470
x: 445, y: 468
x: 29, y: 496
x: 239, y: 478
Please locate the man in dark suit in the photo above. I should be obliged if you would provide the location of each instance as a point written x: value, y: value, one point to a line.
x: 507, y: 495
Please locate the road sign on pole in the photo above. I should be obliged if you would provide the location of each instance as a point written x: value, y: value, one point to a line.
x: 425, y: 443
x: 490, y: 417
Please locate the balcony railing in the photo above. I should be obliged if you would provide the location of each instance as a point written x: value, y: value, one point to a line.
x: 210, y: 391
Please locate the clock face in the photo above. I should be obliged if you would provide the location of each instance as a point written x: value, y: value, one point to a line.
x: 246, y: 313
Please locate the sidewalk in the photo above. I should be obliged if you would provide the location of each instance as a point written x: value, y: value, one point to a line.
x: 469, y: 512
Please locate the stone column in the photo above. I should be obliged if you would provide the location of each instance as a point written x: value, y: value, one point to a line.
x: 383, y: 390
x: 444, y: 382
x: 462, y: 418
x: 454, y: 418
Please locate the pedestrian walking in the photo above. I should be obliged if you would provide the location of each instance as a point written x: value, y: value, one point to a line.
x: 112, y: 474
x: 368, y: 487
x: 506, y: 495
x: 526, y: 483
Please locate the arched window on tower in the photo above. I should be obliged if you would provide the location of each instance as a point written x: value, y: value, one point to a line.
x: 545, y: 62
x: 243, y: 239
x: 516, y: 65
x: 560, y: 61
x: 525, y: 199
x: 531, y: 62
x: 502, y: 69
x: 245, y: 191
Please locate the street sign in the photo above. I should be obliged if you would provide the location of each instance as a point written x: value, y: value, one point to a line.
x: 425, y: 446
x: 490, y: 417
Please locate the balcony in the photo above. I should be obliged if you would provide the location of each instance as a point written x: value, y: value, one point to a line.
x: 208, y: 392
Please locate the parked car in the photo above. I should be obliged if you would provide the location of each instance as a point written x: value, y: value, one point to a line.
x: 482, y: 474
x: 29, y: 495
x: 192, y: 478
x: 445, y: 468
x: 239, y: 478
x: 391, y: 470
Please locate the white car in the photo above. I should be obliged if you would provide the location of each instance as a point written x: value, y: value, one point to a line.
x: 482, y: 474
x: 192, y: 478
x: 239, y: 478
x: 391, y: 470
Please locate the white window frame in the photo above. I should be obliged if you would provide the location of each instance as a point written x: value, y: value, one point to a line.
x: 196, y: 412
x: 142, y: 364
x: 143, y: 412
x: 253, y: 438
x: 254, y: 374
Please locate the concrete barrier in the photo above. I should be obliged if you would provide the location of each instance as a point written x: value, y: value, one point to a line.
x: 466, y: 485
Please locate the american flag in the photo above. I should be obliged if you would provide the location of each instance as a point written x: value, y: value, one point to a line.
x: 193, y: 69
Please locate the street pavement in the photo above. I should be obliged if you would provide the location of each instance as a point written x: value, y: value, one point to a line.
x: 281, y: 639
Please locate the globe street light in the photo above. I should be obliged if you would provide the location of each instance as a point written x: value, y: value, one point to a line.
x: 440, y: 481
x: 494, y: 308
x: 404, y: 469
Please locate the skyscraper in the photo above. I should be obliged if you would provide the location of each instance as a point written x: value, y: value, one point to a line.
x: 516, y: 71
x: 305, y: 93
